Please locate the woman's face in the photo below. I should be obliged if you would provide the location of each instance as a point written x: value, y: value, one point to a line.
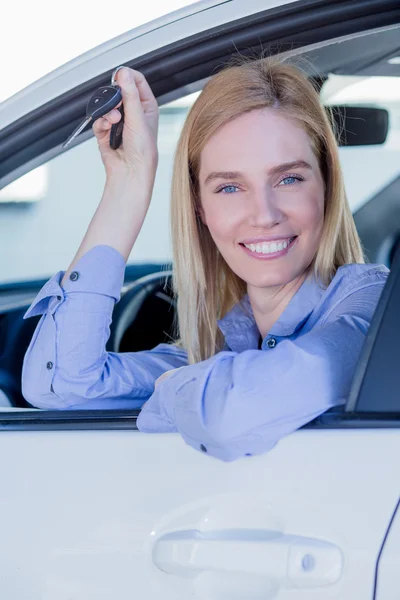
x: 253, y: 205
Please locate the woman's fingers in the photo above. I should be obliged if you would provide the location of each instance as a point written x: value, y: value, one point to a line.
x: 130, y: 97
x: 138, y: 99
x: 139, y: 147
x: 140, y: 104
x: 149, y: 102
x: 165, y: 375
x: 105, y: 123
x: 114, y: 116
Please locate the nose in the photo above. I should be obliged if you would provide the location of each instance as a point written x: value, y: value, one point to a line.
x: 265, y: 210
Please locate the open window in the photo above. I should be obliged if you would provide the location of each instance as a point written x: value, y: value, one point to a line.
x: 349, y: 65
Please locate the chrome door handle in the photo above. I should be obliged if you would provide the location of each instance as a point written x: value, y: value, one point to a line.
x: 289, y: 560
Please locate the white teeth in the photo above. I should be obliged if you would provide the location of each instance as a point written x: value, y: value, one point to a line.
x: 268, y: 247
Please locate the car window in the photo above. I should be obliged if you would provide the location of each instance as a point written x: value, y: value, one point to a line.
x: 367, y: 169
x: 44, y: 214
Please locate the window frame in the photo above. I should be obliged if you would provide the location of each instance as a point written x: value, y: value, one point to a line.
x: 377, y: 370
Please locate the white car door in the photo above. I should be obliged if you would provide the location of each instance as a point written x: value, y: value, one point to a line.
x: 90, y: 507
x: 91, y: 514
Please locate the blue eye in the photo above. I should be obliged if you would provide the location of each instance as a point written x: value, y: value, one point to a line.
x: 294, y: 178
x: 228, y: 189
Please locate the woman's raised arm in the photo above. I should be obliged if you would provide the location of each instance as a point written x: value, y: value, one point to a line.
x: 130, y: 170
x: 66, y: 364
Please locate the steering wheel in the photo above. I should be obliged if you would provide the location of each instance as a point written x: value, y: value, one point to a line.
x: 142, y: 319
x: 144, y: 316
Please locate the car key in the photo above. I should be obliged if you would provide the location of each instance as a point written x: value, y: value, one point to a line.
x: 100, y: 103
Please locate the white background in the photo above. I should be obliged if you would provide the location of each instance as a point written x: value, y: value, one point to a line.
x: 40, y: 35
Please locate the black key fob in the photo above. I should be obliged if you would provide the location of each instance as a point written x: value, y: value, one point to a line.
x: 117, y: 130
x: 101, y: 102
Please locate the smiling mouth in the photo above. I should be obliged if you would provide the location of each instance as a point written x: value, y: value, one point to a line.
x: 268, y: 250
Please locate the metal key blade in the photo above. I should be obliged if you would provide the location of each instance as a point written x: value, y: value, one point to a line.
x: 77, y: 131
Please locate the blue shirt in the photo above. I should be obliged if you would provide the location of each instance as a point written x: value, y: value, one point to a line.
x: 240, y: 401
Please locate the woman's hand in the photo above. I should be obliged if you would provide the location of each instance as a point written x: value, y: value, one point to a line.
x: 162, y: 377
x: 165, y: 375
x: 139, y: 145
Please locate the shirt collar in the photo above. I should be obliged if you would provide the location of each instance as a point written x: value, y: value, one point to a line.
x: 240, y: 329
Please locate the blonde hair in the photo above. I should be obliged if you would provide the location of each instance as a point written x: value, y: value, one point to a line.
x: 205, y: 286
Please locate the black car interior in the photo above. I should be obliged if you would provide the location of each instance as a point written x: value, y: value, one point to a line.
x: 143, y: 318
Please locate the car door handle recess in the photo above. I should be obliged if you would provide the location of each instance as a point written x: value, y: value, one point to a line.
x: 289, y: 560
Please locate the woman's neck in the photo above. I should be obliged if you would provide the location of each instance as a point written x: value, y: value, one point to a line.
x: 269, y: 303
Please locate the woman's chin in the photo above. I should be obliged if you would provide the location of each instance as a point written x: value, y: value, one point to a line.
x: 271, y: 277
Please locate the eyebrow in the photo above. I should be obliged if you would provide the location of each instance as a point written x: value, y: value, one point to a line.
x: 295, y: 164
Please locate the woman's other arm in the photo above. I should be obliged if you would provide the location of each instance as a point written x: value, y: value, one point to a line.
x: 237, y: 404
x: 66, y: 364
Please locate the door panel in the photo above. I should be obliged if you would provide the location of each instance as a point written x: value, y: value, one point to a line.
x: 84, y: 513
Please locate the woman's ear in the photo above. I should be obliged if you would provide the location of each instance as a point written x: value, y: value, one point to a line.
x: 200, y: 214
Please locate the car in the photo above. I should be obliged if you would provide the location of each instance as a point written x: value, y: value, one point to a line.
x: 91, y: 507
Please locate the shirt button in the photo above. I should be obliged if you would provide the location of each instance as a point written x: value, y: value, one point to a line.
x: 271, y: 343
x: 49, y: 365
x: 58, y: 298
x: 203, y: 448
x: 74, y: 276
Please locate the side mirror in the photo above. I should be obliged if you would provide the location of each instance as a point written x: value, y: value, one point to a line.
x: 360, y: 125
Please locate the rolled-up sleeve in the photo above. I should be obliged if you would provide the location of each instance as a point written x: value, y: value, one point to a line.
x: 238, y: 404
x: 66, y: 364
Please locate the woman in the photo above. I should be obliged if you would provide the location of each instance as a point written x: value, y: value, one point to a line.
x: 274, y: 298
